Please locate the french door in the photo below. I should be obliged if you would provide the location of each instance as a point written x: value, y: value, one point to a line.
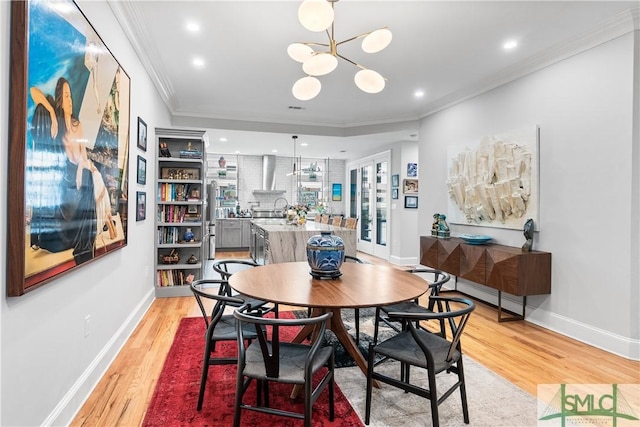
x: 369, y: 202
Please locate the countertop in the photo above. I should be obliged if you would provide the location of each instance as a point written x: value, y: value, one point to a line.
x: 276, y: 225
x: 287, y: 243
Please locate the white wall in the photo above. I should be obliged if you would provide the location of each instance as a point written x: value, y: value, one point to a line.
x: 584, y: 106
x: 406, y: 224
x: 48, y: 366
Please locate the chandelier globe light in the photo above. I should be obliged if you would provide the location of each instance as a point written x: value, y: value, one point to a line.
x: 369, y: 81
x: 306, y: 88
x: 318, y: 15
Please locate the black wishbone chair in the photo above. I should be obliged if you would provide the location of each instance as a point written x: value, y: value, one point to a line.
x: 413, y: 306
x: 220, y: 327
x: 271, y: 360
x: 417, y: 347
x: 226, y: 268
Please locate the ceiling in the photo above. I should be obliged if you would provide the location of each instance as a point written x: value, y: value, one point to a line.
x: 451, y: 50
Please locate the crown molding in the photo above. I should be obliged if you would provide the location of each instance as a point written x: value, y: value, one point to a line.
x: 129, y: 17
x: 619, y: 25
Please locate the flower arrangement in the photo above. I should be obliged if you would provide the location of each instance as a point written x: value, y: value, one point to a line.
x: 298, y: 209
x: 297, y: 213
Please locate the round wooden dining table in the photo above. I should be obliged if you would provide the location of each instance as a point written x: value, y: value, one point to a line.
x: 360, y: 285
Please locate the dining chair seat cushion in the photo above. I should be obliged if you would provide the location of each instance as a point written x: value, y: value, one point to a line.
x: 292, y: 358
x: 406, y: 307
x: 404, y: 347
x: 254, y: 303
x: 225, y: 330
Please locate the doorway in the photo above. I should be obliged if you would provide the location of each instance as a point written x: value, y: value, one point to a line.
x: 369, y: 202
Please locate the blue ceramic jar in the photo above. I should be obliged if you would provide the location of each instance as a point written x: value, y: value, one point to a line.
x: 188, y: 235
x: 325, y: 255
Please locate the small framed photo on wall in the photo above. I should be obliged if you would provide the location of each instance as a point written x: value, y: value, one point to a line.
x: 395, y: 181
x: 411, y: 202
x: 142, y: 134
x: 142, y: 170
x: 412, y: 170
x: 394, y: 193
x: 410, y: 186
x: 336, y: 192
x: 141, y: 205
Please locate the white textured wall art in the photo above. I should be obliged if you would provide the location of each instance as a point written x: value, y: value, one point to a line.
x: 494, y: 182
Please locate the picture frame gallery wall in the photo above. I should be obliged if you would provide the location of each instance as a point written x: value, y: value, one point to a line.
x: 68, y: 145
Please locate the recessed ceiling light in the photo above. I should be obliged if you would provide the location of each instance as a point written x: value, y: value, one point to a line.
x: 304, y: 144
x: 193, y: 27
x: 198, y: 62
x: 274, y: 151
x: 511, y: 44
x: 418, y: 93
x: 223, y: 139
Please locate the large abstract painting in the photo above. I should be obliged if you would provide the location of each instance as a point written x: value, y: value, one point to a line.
x: 69, y: 145
x: 493, y: 182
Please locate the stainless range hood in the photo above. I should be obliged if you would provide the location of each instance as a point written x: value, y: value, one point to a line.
x: 268, y: 176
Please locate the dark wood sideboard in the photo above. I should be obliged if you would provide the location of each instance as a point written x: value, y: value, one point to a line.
x: 504, y: 268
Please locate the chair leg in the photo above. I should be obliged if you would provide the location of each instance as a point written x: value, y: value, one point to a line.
x: 307, y: 403
x: 433, y: 398
x: 205, y: 373
x: 463, y: 392
x: 376, y: 325
x: 238, y: 401
x: 332, y: 366
x: 367, y: 411
x: 357, y: 319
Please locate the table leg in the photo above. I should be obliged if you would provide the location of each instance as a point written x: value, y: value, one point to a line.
x: 336, y: 325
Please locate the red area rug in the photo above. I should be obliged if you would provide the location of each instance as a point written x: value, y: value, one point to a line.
x: 176, y: 394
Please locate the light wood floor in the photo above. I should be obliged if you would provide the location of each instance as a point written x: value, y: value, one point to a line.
x: 521, y: 352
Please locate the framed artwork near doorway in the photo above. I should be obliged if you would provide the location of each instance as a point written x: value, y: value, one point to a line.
x: 394, y: 193
x: 336, y: 192
x: 411, y: 202
x: 410, y: 186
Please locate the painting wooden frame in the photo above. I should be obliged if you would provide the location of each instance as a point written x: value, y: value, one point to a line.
x: 55, y: 221
x: 410, y: 186
x: 411, y: 202
x: 142, y: 134
x: 141, y: 205
x: 142, y: 170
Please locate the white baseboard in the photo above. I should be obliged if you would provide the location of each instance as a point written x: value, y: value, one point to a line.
x: 68, y: 407
x: 588, y: 334
x: 403, y: 260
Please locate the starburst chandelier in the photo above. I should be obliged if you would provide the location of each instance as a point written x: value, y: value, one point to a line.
x: 317, y: 16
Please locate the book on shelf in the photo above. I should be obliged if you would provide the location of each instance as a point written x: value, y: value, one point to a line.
x: 171, y: 278
x: 174, y: 192
x: 190, y: 154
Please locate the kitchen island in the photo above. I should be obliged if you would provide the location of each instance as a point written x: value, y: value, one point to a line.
x: 276, y: 241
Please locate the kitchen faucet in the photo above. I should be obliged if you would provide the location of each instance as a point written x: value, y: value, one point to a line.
x: 286, y: 205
